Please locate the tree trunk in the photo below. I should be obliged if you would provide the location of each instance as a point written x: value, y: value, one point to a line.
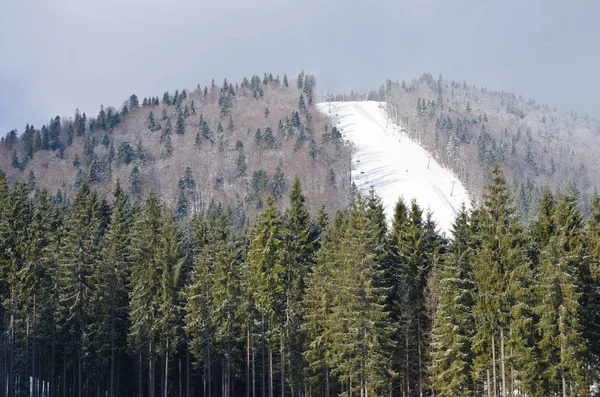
x: 502, y: 362
x: 11, y: 371
x: 112, y: 357
x: 33, y: 374
x: 228, y: 384
x: 180, y: 385
x: 562, y: 366
x: 270, y: 350
x: 248, y: 362
x: 187, y: 371
x: 166, y: 375
x: 489, y: 386
x: 494, y: 365
x: 141, y: 394
x: 282, y: 365
x: 407, y: 363
x: 64, y: 378
x: 263, y: 368
x: 253, y: 369
x: 150, y: 371
x: 420, y: 356
x: 326, y: 381
x: 80, y: 374
x: 52, y: 386
x: 209, y: 371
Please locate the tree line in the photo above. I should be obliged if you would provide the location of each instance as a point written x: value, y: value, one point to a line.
x: 125, y: 299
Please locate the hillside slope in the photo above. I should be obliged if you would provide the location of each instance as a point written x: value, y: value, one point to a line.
x: 469, y: 129
x: 228, y: 144
x: 385, y: 158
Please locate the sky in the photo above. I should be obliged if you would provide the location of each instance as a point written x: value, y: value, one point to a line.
x: 59, y: 55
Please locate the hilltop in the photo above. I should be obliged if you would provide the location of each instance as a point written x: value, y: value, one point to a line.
x: 470, y: 129
x: 231, y: 144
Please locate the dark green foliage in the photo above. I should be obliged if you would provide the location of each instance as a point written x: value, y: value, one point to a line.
x: 180, y: 126
x: 135, y: 183
x: 168, y: 146
x: 278, y: 184
x: 91, y: 289
x: 125, y: 153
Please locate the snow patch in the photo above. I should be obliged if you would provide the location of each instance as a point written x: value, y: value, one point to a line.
x: 385, y: 158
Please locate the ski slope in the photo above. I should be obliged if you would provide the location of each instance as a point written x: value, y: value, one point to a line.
x: 385, y: 158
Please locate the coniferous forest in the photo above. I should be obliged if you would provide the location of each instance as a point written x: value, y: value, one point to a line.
x: 117, y: 298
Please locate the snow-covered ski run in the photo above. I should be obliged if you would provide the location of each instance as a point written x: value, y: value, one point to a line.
x: 385, y: 158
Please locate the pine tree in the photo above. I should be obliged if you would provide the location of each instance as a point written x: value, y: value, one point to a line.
x: 317, y: 304
x: 563, y: 274
x: 503, y: 311
x: 267, y: 276
x: 154, y: 280
x: 360, y: 335
x: 180, y: 127
x: 298, y: 247
x: 452, y: 331
x: 278, y: 183
x: 80, y: 253
x: 226, y: 287
x: 168, y: 146
x: 135, y: 183
x: 592, y: 321
x: 116, y: 258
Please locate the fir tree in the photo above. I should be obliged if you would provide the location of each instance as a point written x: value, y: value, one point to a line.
x: 453, y: 327
x: 180, y: 128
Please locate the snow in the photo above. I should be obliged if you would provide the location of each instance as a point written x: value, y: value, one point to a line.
x: 394, y: 165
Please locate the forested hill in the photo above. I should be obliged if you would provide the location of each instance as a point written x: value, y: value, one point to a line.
x: 231, y: 144
x: 470, y: 128
x: 114, y: 298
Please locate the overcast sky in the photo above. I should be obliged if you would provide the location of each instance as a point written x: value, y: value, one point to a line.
x: 57, y: 55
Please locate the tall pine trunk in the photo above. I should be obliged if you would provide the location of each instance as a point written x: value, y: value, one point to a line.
x: 270, y: 350
x: 502, y: 361
x: 141, y: 394
x: 79, y: 374
x: 282, y: 365
x: 166, y: 373
x: 52, y: 387
x: 248, y: 362
x: 494, y: 365
x: 187, y: 372
x: 253, y: 369
x: 33, y: 374
x: 407, y: 363
x: 263, y: 367
x: 11, y: 371
x: 112, y: 357
x: 420, y: 356
x: 150, y: 372
x: 209, y: 371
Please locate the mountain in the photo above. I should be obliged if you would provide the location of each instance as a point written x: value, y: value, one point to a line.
x: 469, y: 129
x: 228, y: 144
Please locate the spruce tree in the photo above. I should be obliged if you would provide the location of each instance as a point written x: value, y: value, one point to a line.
x: 180, y: 127
x: 453, y: 327
x: 80, y: 254
x: 116, y: 260
x: 503, y: 312
x: 361, y: 345
x: 267, y: 277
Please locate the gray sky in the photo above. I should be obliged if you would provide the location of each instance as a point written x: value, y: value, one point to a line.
x: 56, y: 55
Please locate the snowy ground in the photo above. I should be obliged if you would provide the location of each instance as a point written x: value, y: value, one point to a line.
x: 385, y: 158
